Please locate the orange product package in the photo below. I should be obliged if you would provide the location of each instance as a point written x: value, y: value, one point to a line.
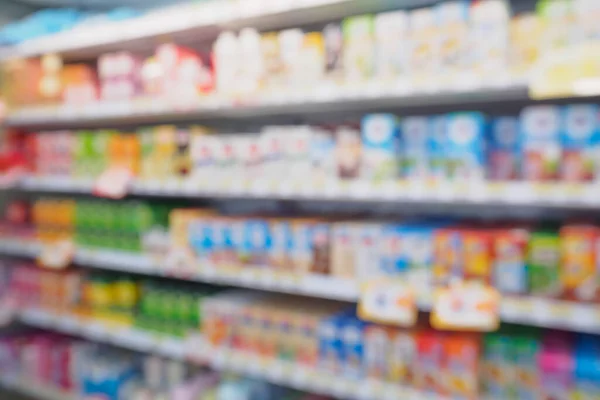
x: 460, y: 371
x: 478, y: 254
x: 579, y: 262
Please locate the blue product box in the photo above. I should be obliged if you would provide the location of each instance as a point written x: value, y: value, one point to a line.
x: 466, y: 146
x: 391, y: 251
x: 106, y: 384
x: 201, y: 238
x: 330, y: 344
x: 539, y: 128
x: 281, y: 245
x: 417, y: 252
x: 437, y: 140
x: 353, y: 335
x: 257, y: 242
x: 580, y: 142
x: 415, y: 132
x: 587, y: 367
x: 380, y: 147
x: 504, y: 149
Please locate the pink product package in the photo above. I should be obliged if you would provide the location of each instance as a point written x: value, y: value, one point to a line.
x: 120, y: 76
x: 556, y: 365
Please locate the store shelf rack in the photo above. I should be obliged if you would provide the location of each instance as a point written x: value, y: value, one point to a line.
x: 542, y: 312
x: 552, y: 195
x: 195, y: 349
x: 198, y: 20
x: 375, y: 96
x: 28, y: 388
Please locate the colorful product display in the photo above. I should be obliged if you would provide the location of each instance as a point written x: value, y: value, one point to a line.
x: 545, y: 143
x: 442, y: 44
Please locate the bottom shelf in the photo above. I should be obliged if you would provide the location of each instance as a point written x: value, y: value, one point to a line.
x: 38, y: 392
x: 196, y: 350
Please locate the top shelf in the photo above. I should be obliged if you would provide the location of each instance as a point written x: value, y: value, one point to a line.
x: 198, y: 20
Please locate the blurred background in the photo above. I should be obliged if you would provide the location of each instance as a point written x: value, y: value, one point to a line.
x: 299, y: 199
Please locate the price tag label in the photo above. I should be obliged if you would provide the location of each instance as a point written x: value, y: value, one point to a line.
x: 388, y: 301
x: 466, y: 306
x: 57, y: 255
x: 113, y: 183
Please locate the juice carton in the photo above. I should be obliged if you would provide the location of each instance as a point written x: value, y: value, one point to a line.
x: 540, y: 135
x: 182, y: 158
x: 587, y: 373
x: 247, y: 157
x: 466, y: 145
x: 579, y: 261
x: 321, y: 248
x: 392, y: 263
x: 527, y: 348
x: 391, y: 33
x: 448, y: 261
x: 543, y: 260
x: 402, y: 356
x: 322, y: 151
x: 330, y: 343
x: 556, y: 365
x: 353, y: 343
x: 526, y: 36
x: 453, y: 45
x: 559, y: 19
x: 460, y: 376
x: 580, y: 143
x: 437, y: 143
x: 297, y: 145
x: 348, y: 153
x: 251, y: 76
x: 201, y: 237
x: 201, y: 155
x: 510, y: 261
x: 415, y: 131
x: 334, y: 52
x: 417, y: 252
x: 280, y: 257
x: 489, y: 33
x: 498, y: 369
x: 423, y: 54
x: 301, y: 245
x: 377, y: 351
x: 311, y: 67
x: 368, y: 250
x: 359, y: 47
x: 290, y: 51
x: 429, y: 362
x: 226, y: 50
x: 224, y: 157
x: 272, y: 60
x: 343, y: 249
x: 257, y: 242
x: 380, y: 147
x: 478, y: 247
x: 504, y: 150
x: 586, y: 15
x: 271, y: 148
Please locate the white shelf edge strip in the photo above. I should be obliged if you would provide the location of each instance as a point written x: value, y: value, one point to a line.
x: 34, y: 390
x: 409, y: 191
x: 534, y: 311
x: 275, y: 371
x: 372, y: 95
x: 163, y: 21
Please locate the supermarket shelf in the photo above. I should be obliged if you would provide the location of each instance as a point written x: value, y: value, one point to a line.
x: 195, y: 349
x: 30, y: 389
x: 548, y: 313
x: 552, y: 195
x: 200, y: 21
x: 323, y: 101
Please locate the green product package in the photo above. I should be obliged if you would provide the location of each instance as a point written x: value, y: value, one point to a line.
x: 544, y: 264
